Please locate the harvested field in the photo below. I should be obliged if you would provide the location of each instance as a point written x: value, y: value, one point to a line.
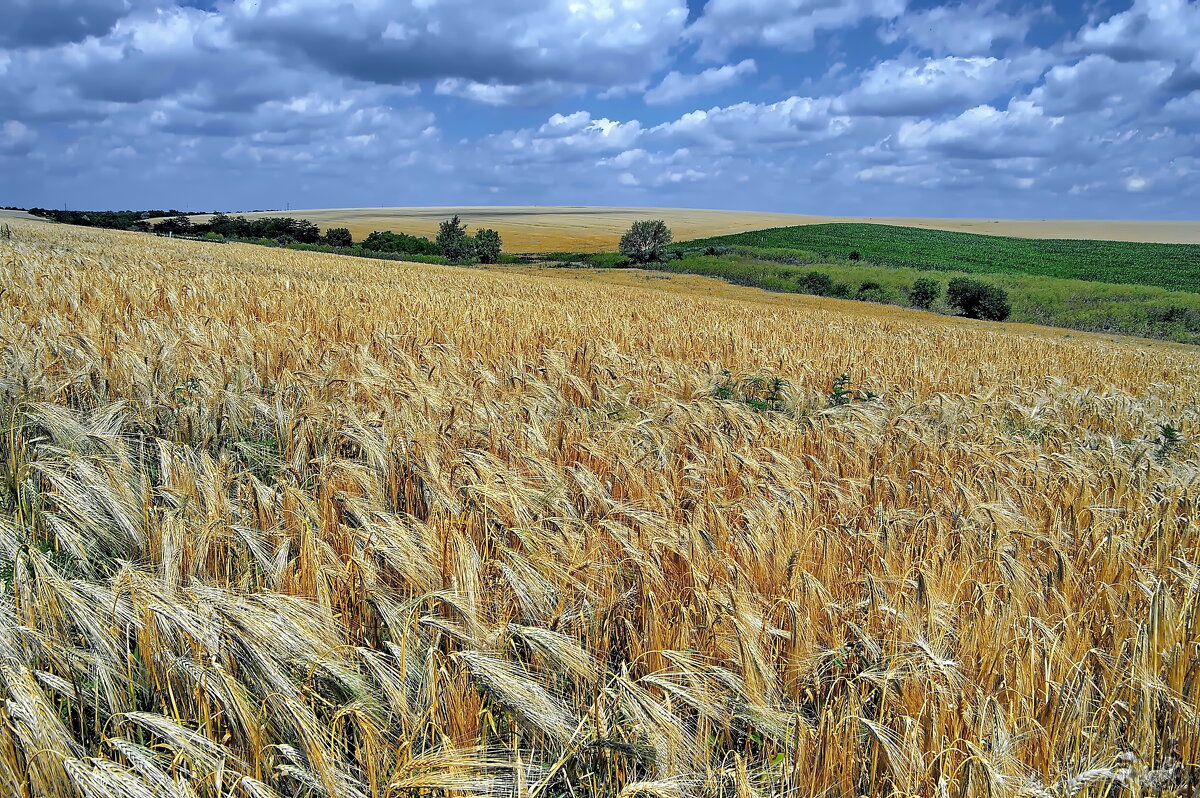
x: 278, y: 523
x: 580, y: 229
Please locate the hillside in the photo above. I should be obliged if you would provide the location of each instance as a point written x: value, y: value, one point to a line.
x: 278, y: 523
x: 1171, y: 266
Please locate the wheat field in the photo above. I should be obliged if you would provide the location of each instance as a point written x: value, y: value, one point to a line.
x: 598, y: 229
x: 279, y: 523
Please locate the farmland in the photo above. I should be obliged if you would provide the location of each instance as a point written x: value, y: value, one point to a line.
x: 589, y: 229
x: 278, y: 523
x: 1171, y: 266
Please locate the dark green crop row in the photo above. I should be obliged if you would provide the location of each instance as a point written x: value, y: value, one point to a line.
x: 1173, y: 266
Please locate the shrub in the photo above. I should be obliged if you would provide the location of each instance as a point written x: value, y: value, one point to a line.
x: 386, y: 241
x: 871, y: 291
x: 816, y: 283
x: 924, y: 292
x: 339, y: 237
x: 453, y: 242
x: 487, y: 246
x: 978, y: 300
x: 646, y: 241
x: 841, y: 291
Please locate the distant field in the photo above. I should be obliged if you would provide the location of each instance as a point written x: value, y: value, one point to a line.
x: 586, y: 229
x: 1172, y: 266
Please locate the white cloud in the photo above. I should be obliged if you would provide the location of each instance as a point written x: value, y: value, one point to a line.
x: 498, y: 42
x: 1097, y: 82
x: 678, y: 86
x: 786, y: 24
x: 794, y: 121
x: 894, y: 88
x: 504, y: 94
x: 565, y: 138
x: 1150, y: 30
x: 964, y: 29
x: 984, y: 132
x: 15, y: 138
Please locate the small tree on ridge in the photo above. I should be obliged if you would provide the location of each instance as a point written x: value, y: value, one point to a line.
x: 453, y: 242
x: 646, y: 241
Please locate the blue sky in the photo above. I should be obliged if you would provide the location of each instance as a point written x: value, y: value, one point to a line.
x: 865, y: 107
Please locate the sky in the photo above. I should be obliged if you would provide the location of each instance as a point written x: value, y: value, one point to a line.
x: 989, y: 108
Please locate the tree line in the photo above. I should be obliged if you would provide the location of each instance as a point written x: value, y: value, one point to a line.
x: 452, y: 242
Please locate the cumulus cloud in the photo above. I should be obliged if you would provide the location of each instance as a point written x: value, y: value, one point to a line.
x: 565, y: 138
x: 964, y: 29
x: 787, y: 24
x: 507, y: 42
x: 15, y: 138
x: 895, y: 88
x: 677, y: 86
x: 1151, y: 30
x: 1021, y: 130
x: 795, y: 121
x: 1098, y: 81
x: 505, y: 94
x: 40, y: 23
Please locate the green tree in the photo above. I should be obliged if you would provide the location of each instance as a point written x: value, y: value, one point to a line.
x: 177, y: 224
x: 339, y: 237
x: 816, y: 283
x: 487, y: 246
x: 646, y: 241
x: 453, y: 242
x: 924, y: 292
x: 871, y: 291
x: 978, y: 300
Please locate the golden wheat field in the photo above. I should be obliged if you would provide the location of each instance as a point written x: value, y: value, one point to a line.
x: 278, y: 523
x: 597, y: 229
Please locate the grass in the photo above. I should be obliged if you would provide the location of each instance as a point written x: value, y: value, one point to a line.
x: 281, y: 523
x: 1171, y: 266
x: 1071, y: 304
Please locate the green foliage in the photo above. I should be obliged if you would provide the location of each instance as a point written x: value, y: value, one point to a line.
x: 759, y: 392
x: 6, y: 233
x: 339, y: 237
x: 1174, y: 266
x: 646, y: 241
x: 359, y: 252
x: 871, y: 291
x: 924, y: 292
x: 487, y: 246
x: 453, y: 242
x: 978, y: 300
x: 174, y: 225
x: 1169, y: 440
x: 844, y: 392
x: 816, y: 283
x: 386, y: 241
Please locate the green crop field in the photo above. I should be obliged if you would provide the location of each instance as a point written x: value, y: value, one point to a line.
x: 1172, y: 266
